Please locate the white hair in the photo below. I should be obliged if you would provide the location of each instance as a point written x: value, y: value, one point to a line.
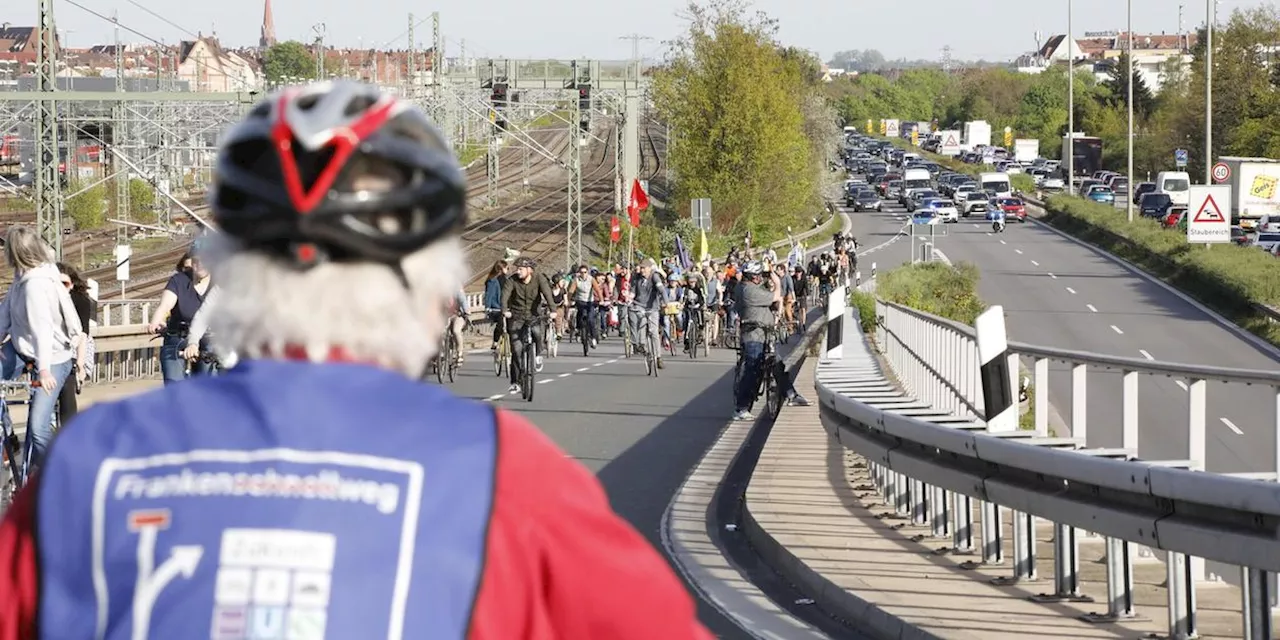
x: 363, y: 308
x: 24, y: 250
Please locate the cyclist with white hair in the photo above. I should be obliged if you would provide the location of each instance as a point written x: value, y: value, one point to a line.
x: 319, y: 473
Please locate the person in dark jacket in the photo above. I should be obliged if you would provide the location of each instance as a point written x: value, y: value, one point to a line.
x: 493, y: 298
x: 86, y: 309
x: 523, y: 300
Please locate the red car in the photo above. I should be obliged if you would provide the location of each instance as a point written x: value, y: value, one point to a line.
x: 882, y: 187
x: 1013, y: 209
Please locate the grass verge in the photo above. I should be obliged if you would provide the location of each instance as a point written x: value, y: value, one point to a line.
x: 1229, y: 279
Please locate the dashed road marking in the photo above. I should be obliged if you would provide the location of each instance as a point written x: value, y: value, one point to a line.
x: 1146, y: 355
x: 1017, y: 251
x: 1073, y: 291
x: 546, y: 380
x: 1117, y: 329
x: 1034, y: 263
x: 566, y: 375
x: 583, y: 369
x: 1092, y: 308
x: 1053, y: 276
x: 1003, y: 242
x: 496, y: 396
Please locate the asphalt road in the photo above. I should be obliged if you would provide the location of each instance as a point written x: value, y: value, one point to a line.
x: 640, y: 435
x: 1058, y: 293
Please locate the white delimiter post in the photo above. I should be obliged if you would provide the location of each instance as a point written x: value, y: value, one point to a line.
x: 835, y: 323
x: 1001, y: 409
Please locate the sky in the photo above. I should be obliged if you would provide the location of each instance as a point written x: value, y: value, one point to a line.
x: 565, y: 29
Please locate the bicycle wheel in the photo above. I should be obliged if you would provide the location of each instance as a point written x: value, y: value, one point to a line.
x: 584, y: 334
x: 737, y: 376
x: 553, y: 341
x: 452, y: 363
x: 530, y: 360
x: 706, y: 344
x: 497, y: 357
x: 440, y: 361
x: 691, y: 337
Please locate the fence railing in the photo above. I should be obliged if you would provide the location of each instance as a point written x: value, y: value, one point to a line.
x: 930, y: 468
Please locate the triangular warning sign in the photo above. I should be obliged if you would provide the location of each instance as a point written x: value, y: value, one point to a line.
x: 1209, y: 212
x: 951, y: 141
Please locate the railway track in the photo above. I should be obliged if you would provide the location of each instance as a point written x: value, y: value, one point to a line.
x: 652, y: 151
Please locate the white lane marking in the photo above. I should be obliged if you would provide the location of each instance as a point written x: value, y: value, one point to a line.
x: 1231, y: 425
x: 1073, y: 291
x: 1053, y: 276
x: 614, y: 360
x: 600, y: 364
x: 1018, y: 251
x: 566, y: 375
x: 988, y: 233
x: 546, y: 380
x: 1003, y: 242
x: 1181, y: 384
x: 1146, y: 355
x: 1033, y: 262
x: 1092, y: 308
x: 496, y: 396
x: 1117, y: 329
x: 583, y: 369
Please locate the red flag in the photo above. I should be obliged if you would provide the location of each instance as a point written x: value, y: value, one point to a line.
x: 638, y: 202
x: 615, y: 229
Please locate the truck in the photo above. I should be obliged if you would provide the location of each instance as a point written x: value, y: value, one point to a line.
x: 1255, y: 189
x: 1026, y: 150
x: 977, y: 132
x: 1087, y: 154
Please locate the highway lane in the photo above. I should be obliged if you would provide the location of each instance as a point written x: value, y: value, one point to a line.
x: 640, y: 435
x: 1058, y: 293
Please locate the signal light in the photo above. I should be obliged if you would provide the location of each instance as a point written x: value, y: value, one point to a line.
x: 584, y: 99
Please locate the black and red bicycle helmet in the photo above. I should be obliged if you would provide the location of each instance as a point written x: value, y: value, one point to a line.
x: 292, y: 177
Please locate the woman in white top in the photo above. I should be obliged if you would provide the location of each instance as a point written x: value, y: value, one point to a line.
x: 38, y: 317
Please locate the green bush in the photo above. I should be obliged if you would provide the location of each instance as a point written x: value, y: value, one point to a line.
x: 1022, y: 182
x: 934, y: 287
x: 88, y: 209
x: 1229, y: 279
x: 865, y: 303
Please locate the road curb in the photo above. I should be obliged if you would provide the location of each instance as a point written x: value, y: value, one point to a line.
x: 832, y: 599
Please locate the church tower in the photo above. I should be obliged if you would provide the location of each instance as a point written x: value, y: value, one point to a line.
x: 268, y: 36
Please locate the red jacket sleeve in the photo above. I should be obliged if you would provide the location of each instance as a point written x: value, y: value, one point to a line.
x: 562, y: 564
x: 18, y: 584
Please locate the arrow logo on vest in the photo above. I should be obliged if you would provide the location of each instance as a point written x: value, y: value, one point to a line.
x: 182, y: 560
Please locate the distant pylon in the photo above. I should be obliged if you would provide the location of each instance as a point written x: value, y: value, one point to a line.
x: 946, y: 58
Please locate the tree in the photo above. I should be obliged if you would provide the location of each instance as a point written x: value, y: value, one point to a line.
x: 142, y: 199
x: 87, y: 209
x: 734, y: 101
x: 290, y: 60
x: 1117, y: 85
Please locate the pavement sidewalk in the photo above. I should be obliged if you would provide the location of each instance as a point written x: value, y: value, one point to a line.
x: 811, y: 514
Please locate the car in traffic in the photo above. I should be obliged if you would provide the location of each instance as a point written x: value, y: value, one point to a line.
x: 1267, y: 241
x: 1155, y: 205
x: 925, y: 216
x: 1240, y: 237
x: 1268, y: 224
x: 974, y: 202
x: 1013, y: 208
x: 1052, y: 183
x: 1143, y: 189
x: 943, y: 208
x: 918, y: 196
x: 1101, y: 194
x: 894, y: 190
x: 867, y: 200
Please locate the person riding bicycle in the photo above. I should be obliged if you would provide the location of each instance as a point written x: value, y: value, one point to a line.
x: 757, y: 306
x: 694, y: 307
x: 458, y: 320
x: 582, y: 291
x: 319, y: 474
x: 523, y: 300
x: 648, y: 299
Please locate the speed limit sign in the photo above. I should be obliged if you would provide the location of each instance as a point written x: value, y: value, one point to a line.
x: 1221, y: 172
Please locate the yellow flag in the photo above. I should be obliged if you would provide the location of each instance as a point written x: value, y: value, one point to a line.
x: 703, y: 253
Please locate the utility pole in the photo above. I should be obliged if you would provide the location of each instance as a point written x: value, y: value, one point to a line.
x: 946, y: 59
x: 118, y: 136
x: 412, y: 93
x: 48, y: 186
x: 1128, y: 200
x: 319, y: 30
x: 635, y: 39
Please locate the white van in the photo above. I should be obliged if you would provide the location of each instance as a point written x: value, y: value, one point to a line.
x: 916, y: 179
x: 1177, y: 184
x: 997, y: 182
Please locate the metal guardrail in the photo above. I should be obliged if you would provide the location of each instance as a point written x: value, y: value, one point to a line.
x: 1167, y: 505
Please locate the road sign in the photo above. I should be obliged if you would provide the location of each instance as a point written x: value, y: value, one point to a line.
x: 700, y: 211
x: 1008, y: 137
x: 1209, y: 216
x: 1180, y: 157
x: 123, y: 252
x: 891, y: 128
x: 1221, y: 172
x: 950, y: 143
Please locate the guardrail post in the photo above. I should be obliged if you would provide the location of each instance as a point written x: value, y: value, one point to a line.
x: 1080, y: 402
x: 1066, y: 567
x: 835, y: 323
x: 962, y: 523
x: 1041, y: 407
x: 1182, y: 597
x: 992, y: 543
x: 1001, y: 412
x: 919, y: 502
x: 1255, y: 591
x: 1024, y: 550
x: 1120, y: 606
x: 939, y: 504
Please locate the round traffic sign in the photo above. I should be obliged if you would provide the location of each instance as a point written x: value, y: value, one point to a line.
x: 1221, y: 172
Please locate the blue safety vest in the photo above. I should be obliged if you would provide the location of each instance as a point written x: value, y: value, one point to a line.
x: 281, y: 500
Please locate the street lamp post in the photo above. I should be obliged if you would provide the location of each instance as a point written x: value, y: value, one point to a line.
x: 1208, y: 91
x: 1128, y: 200
x: 1070, y: 147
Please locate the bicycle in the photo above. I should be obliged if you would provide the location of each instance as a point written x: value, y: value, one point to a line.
x: 17, y: 455
x: 502, y: 354
x: 626, y: 317
x: 583, y: 322
x: 768, y: 383
x: 529, y: 356
x: 553, y: 338
x: 447, y: 359
x: 693, y: 335
x: 646, y: 331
